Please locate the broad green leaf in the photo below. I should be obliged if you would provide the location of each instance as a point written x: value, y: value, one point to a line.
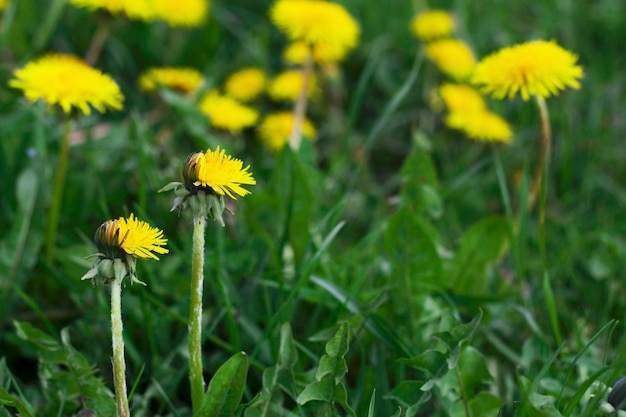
x: 11, y: 401
x: 323, y: 390
x: 483, y: 404
x: 413, y: 252
x: 406, y: 393
x: 333, y: 365
x: 433, y: 362
x: 473, y: 370
x: 482, y: 245
x: 287, y: 352
x: 419, y: 184
x: 457, y: 337
x: 226, y: 388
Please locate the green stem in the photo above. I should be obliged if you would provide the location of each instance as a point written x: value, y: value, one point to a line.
x: 466, y: 406
x: 195, y: 314
x: 119, y: 365
x: 300, y: 107
x: 539, y: 188
x: 57, y: 193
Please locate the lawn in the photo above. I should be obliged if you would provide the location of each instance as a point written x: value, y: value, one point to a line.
x: 338, y: 232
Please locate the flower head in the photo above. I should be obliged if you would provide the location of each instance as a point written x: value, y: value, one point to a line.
x: 317, y: 22
x: 227, y: 113
x: 207, y: 178
x: 482, y: 125
x: 119, y: 242
x: 461, y: 98
x: 536, y: 68
x: 245, y: 84
x: 453, y: 57
x: 287, y: 85
x: 135, y: 9
x: 222, y: 173
x: 432, y: 24
x: 185, y: 80
x: 297, y: 52
x: 187, y: 13
x: 275, y: 129
x: 69, y: 82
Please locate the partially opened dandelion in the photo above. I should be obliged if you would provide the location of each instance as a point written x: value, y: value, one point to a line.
x: 119, y: 243
x: 320, y: 24
x: 46, y: 80
x: 208, y: 177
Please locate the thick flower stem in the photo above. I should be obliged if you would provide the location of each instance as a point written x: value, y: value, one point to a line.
x: 299, y: 111
x: 545, y: 153
x: 538, y: 190
x: 119, y: 365
x: 195, y: 314
x: 57, y: 193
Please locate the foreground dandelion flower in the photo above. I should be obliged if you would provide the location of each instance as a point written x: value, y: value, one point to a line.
x: 461, y: 98
x: 317, y: 22
x: 246, y: 84
x: 275, y: 129
x: 185, y: 80
x: 536, y: 68
x: 188, y: 13
x: 222, y: 173
x: 453, y: 57
x: 432, y: 24
x: 287, y: 85
x: 69, y: 82
x: 134, y: 9
x: 482, y: 125
x: 227, y: 113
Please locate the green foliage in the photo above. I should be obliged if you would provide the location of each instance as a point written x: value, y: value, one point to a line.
x: 381, y: 239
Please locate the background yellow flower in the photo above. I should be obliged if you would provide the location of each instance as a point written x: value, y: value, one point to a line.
x: 186, y: 80
x: 69, y: 82
x: 453, y: 57
x: 275, y: 129
x: 461, y: 98
x: 317, y: 22
x: 3, y: 4
x: 227, y: 113
x: 181, y: 12
x: 536, y: 68
x: 432, y: 24
x: 134, y: 9
x: 245, y: 84
x: 482, y: 125
x: 287, y: 85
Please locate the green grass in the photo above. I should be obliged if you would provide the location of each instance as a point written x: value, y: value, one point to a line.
x: 385, y: 245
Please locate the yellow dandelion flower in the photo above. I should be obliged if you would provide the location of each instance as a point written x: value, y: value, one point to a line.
x: 227, y: 113
x: 185, y: 80
x: 246, y: 84
x: 317, y: 22
x: 222, y: 173
x: 461, y: 98
x: 432, y: 24
x: 453, y: 57
x: 536, y: 68
x: 482, y: 125
x: 135, y: 9
x: 275, y: 129
x: 130, y: 236
x: 187, y: 13
x: 296, y: 53
x: 3, y: 4
x: 69, y: 82
x: 287, y: 85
